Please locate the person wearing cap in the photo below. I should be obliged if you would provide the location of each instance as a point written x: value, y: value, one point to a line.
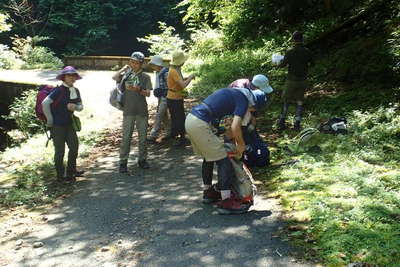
x: 160, y: 91
x: 259, y: 81
x: 298, y: 60
x: 221, y: 103
x: 176, y: 84
x: 58, y: 108
x: 136, y: 86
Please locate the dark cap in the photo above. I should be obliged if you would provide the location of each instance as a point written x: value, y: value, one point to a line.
x: 297, y: 37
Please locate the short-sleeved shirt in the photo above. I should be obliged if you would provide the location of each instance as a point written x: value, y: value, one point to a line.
x: 298, y: 60
x: 61, y: 97
x: 223, y: 102
x: 133, y: 102
x: 174, y: 87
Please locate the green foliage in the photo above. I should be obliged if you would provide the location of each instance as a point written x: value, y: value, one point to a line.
x: 34, y: 185
x: 332, y: 194
x: 22, y: 110
x: 206, y: 42
x: 9, y: 59
x: 4, y: 26
x: 216, y: 72
x: 164, y: 43
x: 40, y: 57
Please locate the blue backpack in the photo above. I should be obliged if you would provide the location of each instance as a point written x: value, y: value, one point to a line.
x: 257, y: 152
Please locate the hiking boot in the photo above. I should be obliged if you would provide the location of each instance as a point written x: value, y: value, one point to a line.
x: 281, y: 125
x: 231, y: 206
x: 143, y: 164
x: 297, y: 126
x: 79, y: 173
x: 182, y: 142
x: 69, y: 179
x: 123, y: 168
x: 211, y: 195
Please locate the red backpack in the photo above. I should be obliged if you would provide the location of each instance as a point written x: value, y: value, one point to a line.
x: 44, y: 91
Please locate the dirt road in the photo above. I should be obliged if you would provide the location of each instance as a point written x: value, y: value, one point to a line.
x: 151, y: 217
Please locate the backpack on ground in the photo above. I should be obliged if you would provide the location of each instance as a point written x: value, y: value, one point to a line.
x: 334, y: 125
x: 243, y: 186
x: 257, y: 153
x: 307, y: 140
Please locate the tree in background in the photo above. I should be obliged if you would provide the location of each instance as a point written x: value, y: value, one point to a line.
x: 91, y: 26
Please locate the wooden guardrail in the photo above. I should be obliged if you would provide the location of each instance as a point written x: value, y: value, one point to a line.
x: 101, y: 62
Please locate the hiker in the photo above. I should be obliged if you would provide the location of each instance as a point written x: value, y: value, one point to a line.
x: 175, y: 96
x: 137, y: 86
x: 259, y: 81
x: 223, y: 102
x: 298, y: 59
x: 160, y: 91
x: 66, y: 99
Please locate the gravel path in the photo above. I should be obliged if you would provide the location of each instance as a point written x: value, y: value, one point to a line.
x: 148, y: 218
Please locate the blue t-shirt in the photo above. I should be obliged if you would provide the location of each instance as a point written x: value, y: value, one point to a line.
x: 223, y: 102
x: 61, y: 115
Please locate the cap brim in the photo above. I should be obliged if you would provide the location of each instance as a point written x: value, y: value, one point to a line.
x: 267, y: 89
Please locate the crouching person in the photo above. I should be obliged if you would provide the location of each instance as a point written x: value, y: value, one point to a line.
x: 223, y: 102
x: 58, y: 107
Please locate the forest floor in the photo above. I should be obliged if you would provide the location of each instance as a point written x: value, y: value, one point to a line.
x: 150, y: 217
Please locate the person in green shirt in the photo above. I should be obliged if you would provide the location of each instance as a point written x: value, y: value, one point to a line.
x: 298, y: 59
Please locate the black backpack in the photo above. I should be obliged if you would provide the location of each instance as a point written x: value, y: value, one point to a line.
x: 334, y: 125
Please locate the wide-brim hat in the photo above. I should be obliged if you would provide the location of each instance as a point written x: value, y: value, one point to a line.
x: 262, y: 83
x: 68, y: 70
x: 178, y: 58
x: 157, y: 60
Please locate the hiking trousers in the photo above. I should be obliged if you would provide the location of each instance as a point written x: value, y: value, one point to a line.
x: 128, y: 125
x: 177, y: 112
x: 162, y: 117
x: 64, y: 135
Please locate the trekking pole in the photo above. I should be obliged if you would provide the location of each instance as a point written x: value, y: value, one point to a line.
x: 48, y: 135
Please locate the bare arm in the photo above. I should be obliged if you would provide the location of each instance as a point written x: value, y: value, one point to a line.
x: 118, y: 75
x: 185, y: 82
x: 237, y: 135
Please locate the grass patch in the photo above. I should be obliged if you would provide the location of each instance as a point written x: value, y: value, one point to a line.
x: 346, y: 196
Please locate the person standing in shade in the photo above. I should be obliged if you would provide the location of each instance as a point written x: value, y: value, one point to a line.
x: 175, y: 96
x: 298, y: 60
x: 160, y: 91
x: 58, y: 107
x: 136, y: 86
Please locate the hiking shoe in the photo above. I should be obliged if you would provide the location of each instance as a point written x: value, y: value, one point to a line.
x: 182, y: 142
x: 231, y: 206
x: 211, y: 195
x: 143, y: 164
x: 79, y: 173
x: 123, y: 168
x: 69, y: 179
x: 297, y: 126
